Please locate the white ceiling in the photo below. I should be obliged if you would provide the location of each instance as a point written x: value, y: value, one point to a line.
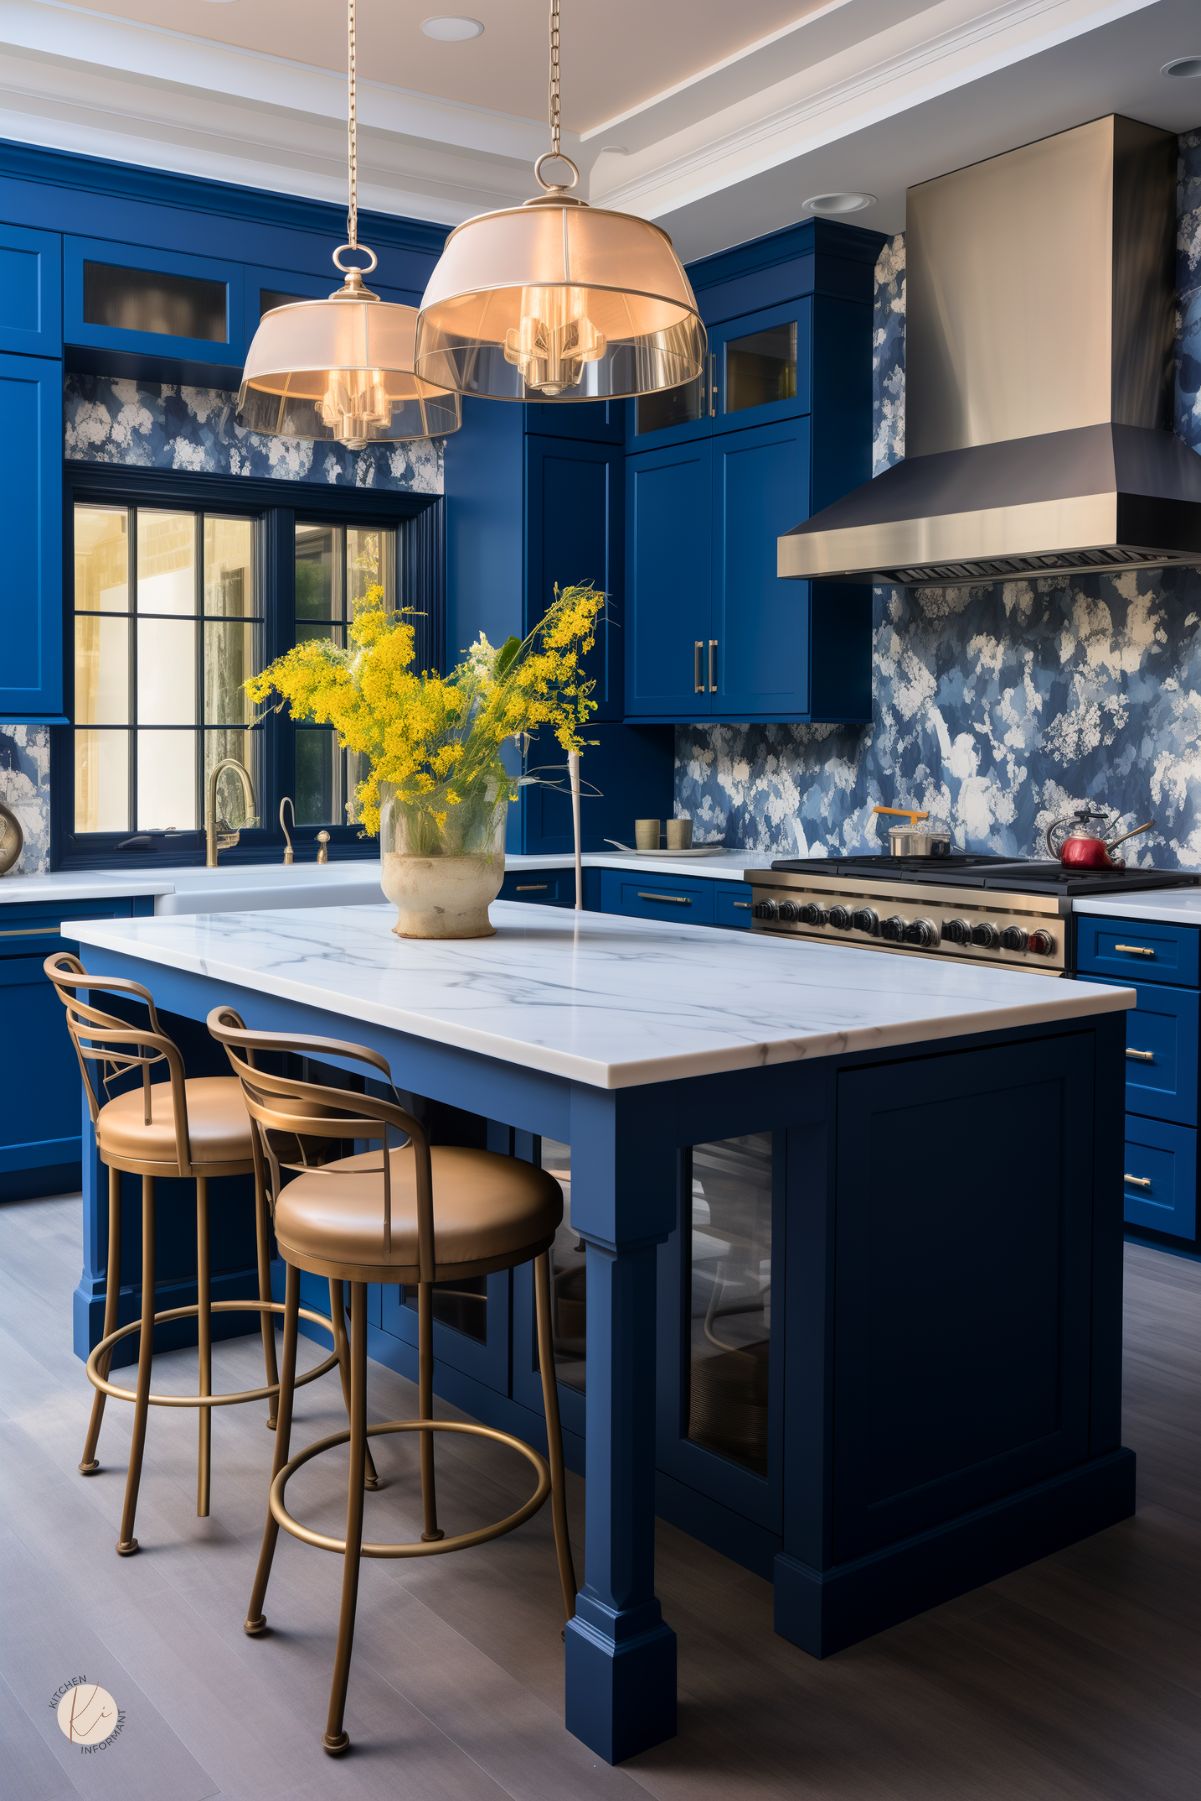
x: 716, y: 119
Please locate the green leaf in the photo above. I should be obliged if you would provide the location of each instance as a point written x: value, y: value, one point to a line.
x: 506, y: 656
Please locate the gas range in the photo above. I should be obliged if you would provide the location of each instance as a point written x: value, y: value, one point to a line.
x: 981, y: 909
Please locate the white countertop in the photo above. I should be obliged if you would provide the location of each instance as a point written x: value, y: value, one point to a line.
x: 351, y: 881
x: 605, y: 1000
x: 1175, y: 906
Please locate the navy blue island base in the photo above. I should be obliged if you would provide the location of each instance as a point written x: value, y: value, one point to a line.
x: 947, y: 1275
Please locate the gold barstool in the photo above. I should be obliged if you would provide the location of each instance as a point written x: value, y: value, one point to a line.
x: 184, y: 1126
x: 410, y: 1214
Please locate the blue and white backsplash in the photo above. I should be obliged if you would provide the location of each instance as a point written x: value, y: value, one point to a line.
x: 25, y: 787
x: 996, y: 707
x: 161, y: 426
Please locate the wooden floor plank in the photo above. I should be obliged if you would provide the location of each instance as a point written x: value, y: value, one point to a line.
x: 1075, y: 1680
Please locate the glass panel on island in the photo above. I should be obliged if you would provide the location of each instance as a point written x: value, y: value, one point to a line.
x: 729, y: 1292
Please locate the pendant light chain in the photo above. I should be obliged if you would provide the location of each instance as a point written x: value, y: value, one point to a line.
x: 352, y: 130
x: 554, y: 76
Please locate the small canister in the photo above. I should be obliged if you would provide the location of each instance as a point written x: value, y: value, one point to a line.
x: 918, y: 837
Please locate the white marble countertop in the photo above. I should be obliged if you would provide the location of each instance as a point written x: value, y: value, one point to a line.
x: 1175, y: 906
x: 83, y: 884
x: 613, y: 1002
x: 353, y: 880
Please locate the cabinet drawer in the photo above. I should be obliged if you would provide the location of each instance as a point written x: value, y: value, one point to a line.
x: 1161, y: 1052
x: 1159, y: 1176
x: 551, y: 887
x: 27, y: 931
x: 1132, y: 948
x: 658, y: 897
x: 732, y: 905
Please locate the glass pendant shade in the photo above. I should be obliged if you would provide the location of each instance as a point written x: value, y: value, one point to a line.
x: 342, y: 368
x: 556, y: 300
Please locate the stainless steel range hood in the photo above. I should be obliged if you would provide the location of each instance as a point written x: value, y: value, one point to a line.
x: 1039, y: 358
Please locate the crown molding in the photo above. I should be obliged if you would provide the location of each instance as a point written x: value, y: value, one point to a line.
x: 906, y: 65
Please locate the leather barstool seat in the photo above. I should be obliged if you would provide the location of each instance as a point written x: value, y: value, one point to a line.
x: 134, y: 1128
x: 413, y: 1214
x: 491, y: 1213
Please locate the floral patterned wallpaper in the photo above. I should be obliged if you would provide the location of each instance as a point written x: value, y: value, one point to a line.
x: 161, y: 426
x: 997, y: 708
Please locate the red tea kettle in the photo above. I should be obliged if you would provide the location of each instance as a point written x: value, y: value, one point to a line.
x: 1077, y: 847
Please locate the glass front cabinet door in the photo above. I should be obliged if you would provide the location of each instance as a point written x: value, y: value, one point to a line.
x: 152, y: 303
x: 759, y: 366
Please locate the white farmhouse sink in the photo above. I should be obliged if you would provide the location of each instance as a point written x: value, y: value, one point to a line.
x: 238, y: 888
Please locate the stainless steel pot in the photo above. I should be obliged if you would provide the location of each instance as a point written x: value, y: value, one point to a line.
x: 916, y: 839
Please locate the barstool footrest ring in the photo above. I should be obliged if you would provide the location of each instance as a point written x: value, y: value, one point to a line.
x: 459, y: 1541
x: 222, y: 1400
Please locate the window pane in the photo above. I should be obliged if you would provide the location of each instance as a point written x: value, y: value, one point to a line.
x: 102, y: 781
x: 318, y: 572
x: 229, y: 585
x: 167, y: 781
x: 166, y: 561
x: 230, y: 655
x: 166, y: 672
x: 101, y: 670
x: 316, y: 778
x: 306, y: 630
x: 369, y: 560
x: 101, y: 559
x: 244, y: 748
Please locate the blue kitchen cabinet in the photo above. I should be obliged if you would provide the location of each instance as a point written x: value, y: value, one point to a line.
x: 31, y: 313
x: 669, y: 582
x: 599, y: 421
x: 1161, y: 961
x: 574, y: 533
x: 151, y: 306
x: 40, y: 1095
x: 761, y: 364
x: 713, y: 632
x: 31, y: 473
x: 522, y: 512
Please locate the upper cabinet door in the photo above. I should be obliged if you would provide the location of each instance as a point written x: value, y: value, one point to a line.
x: 152, y: 303
x: 673, y: 416
x: 669, y: 576
x: 761, y: 662
x: 575, y: 505
x: 31, y: 467
x: 760, y: 366
x: 31, y: 312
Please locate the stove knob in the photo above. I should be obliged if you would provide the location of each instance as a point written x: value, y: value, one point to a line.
x: 1041, y: 943
x: 921, y: 932
x: 957, y: 931
x: 893, y: 929
x: 813, y: 915
x: 786, y: 910
x: 1013, y: 938
x: 987, y: 935
x: 840, y: 918
x: 865, y: 919
x: 764, y: 909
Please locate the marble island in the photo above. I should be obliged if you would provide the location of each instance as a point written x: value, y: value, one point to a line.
x: 601, y: 999
x: 939, y: 1229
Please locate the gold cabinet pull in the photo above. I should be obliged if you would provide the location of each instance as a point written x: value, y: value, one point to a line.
x: 1135, y: 950
x: 698, y: 681
x: 1137, y: 1181
x: 744, y: 904
x: 531, y: 887
x: 669, y: 900
x: 1140, y: 1056
x: 713, y: 665
x: 29, y: 932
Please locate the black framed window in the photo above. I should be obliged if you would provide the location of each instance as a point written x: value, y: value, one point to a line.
x: 182, y: 587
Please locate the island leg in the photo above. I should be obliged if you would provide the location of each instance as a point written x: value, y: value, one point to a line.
x: 621, y: 1656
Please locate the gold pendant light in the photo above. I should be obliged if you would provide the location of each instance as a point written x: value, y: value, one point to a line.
x: 557, y: 300
x: 343, y: 367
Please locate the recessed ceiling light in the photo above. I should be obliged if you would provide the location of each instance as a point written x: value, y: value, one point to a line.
x: 832, y: 204
x: 452, y: 30
x: 1184, y: 66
